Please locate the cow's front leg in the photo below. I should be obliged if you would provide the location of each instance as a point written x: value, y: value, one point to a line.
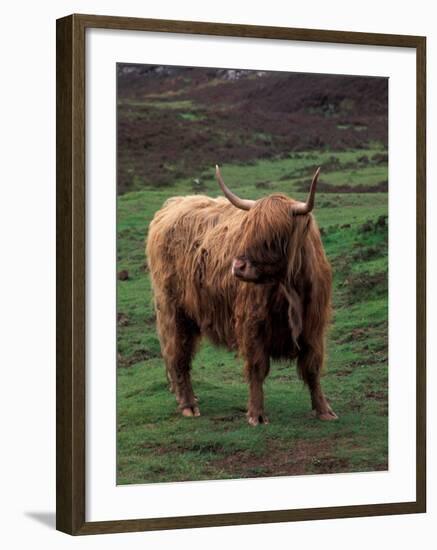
x: 256, y: 372
x: 310, y: 362
x: 321, y: 408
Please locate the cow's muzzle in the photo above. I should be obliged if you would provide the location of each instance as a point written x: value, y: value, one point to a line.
x: 244, y: 270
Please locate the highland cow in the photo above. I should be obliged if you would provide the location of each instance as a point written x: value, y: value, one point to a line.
x: 249, y: 275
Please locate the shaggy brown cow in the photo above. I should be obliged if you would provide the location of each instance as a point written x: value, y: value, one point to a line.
x: 248, y: 275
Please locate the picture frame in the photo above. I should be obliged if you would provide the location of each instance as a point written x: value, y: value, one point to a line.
x: 71, y: 204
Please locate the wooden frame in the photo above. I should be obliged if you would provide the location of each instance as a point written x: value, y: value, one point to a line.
x: 70, y: 205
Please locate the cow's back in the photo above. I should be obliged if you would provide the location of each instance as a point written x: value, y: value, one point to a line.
x: 180, y: 227
x: 189, y: 251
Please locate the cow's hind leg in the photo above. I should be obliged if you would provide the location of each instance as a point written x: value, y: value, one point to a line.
x: 179, y: 336
x: 310, y: 363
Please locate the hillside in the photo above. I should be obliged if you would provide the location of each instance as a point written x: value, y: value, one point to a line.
x: 178, y: 122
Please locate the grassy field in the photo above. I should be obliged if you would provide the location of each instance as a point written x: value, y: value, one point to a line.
x: 156, y: 444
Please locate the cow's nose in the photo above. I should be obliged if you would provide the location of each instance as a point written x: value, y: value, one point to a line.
x: 239, y: 264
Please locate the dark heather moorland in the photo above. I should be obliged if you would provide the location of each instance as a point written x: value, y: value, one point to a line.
x: 268, y: 132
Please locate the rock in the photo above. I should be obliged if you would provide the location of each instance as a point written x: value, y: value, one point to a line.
x: 123, y: 275
x: 122, y: 319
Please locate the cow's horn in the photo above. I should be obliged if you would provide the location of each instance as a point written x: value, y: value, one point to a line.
x: 244, y: 204
x: 305, y: 207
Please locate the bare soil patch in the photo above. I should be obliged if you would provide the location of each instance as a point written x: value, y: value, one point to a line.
x: 300, y: 457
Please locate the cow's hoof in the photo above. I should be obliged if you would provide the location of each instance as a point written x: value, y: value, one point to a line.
x: 259, y: 419
x: 326, y: 415
x: 191, y: 411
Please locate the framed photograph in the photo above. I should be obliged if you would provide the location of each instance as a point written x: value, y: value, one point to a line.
x: 240, y: 274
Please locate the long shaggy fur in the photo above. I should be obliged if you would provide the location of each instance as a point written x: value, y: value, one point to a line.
x: 191, y: 244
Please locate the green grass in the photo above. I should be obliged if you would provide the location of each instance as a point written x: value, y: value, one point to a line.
x: 154, y: 443
x: 356, y: 127
x: 191, y: 116
x: 157, y: 104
